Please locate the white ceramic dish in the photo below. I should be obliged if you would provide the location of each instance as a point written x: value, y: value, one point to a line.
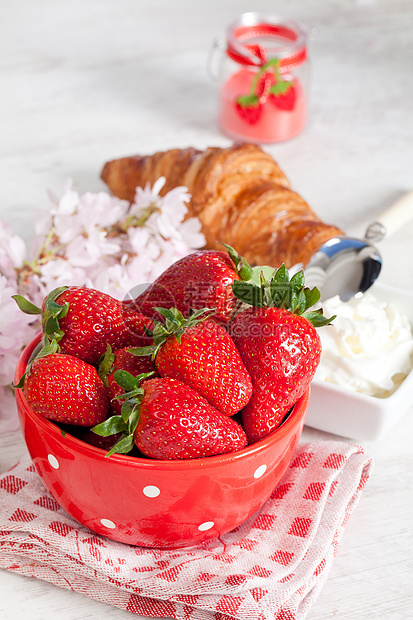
x: 337, y: 410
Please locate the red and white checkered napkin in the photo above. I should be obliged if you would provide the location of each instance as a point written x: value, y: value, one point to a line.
x: 272, y: 566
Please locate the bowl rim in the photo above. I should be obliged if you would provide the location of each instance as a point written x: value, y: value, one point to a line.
x: 297, y: 414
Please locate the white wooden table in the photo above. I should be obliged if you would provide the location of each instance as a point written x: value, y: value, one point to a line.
x: 86, y: 81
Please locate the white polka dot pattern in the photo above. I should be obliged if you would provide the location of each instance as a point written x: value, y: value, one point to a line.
x: 151, y: 491
x: 260, y: 471
x: 53, y: 461
x: 206, y: 526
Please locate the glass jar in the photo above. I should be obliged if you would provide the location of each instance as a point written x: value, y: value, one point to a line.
x: 263, y: 79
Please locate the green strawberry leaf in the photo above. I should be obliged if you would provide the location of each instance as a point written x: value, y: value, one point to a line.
x: 172, y: 315
x: 281, y: 275
x: 20, y: 383
x: 302, y: 303
x: 127, y: 408
x: 64, y: 310
x: 55, y: 293
x: 133, y: 393
x: 136, y: 393
x: 233, y: 254
x: 278, y: 293
x: 248, y: 101
x: 159, y: 332
x: 128, y: 419
x: 273, y: 62
x: 133, y: 419
x: 294, y: 302
x: 150, y: 350
x: 26, y: 306
x: 280, y: 88
x: 148, y: 332
x: 123, y: 446
x: 50, y: 315
x: 170, y: 325
x: 126, y: 380
x: 243, y: 269
x: 111, y: 426
x: 200, y: 314
x: 282, y: 292
x: 51, y: 328
x: 312, y: 296
x: 49, y: 348
x: 317, y: 319
x: 175, y: 325
x: 54, y: 309
x: 248, y: 293
x: 105, y: 366
x: 297, y: 281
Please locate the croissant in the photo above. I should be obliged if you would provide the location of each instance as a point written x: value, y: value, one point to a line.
x: 240, y: 196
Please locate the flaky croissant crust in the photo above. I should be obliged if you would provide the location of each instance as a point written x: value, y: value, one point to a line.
x: 240, y: 196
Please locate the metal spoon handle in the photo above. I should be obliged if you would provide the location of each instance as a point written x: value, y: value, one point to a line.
x: 392, y: 219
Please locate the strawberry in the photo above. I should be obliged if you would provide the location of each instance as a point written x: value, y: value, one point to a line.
x: 170, y: 420
x: 284, y: 100
x: 65, y: 389
x: 201, y: 279
x: 279, y: 345
x: 84, y: 321
x: 281, y: 92
x: 200, y: 353
x: 249, y: 109
x: 122, y: 359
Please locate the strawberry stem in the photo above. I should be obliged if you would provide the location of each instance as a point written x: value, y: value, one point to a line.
x: 128, y: 419
x: 50, y: 315
x: 281, y: 291
x: 175, y: 325
x: 26, y: 306
x: 243, y: 269
x: 105, y: 366
x: 281, y: 86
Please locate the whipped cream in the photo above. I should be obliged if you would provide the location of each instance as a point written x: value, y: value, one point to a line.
x: 368, y: 348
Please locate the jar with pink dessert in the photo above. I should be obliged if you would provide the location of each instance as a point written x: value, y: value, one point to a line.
x: 263, y: 78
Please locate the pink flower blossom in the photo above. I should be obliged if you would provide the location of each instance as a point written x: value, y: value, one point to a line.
x: 12, y: 252
x: 93, y: 240
x: 16, y: 330
x: 9, y: 420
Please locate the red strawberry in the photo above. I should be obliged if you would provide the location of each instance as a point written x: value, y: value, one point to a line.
x: 176, y: 422
x: 84, y: 321
x: 201, y: 354
x: 66, y: 389
x: 172, y: 421
x: 280, y: 348
x: 250, y: 107
x: 284, y: 100
x: 201, y: 279
x: 250, y: 113
x: 122, y: 359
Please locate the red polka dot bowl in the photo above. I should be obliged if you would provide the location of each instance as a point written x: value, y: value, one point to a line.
x: 151, y: 503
